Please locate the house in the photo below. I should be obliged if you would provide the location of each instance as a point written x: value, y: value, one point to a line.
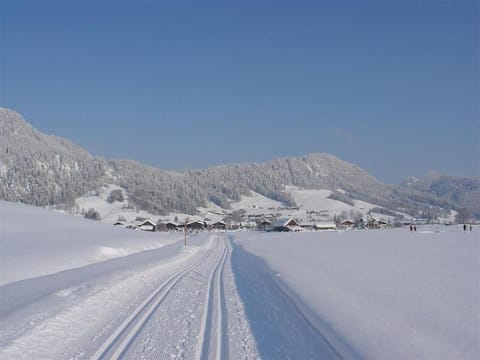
x: 265, y: 225
x: 347, y: 224
x: 217, y: 225
x: 147, y: 225
x: 171, y: 226
x: 286, y: 224
x: 308, y: 225
x: 325, y: 226
x: 195, y: 225
x: 161, y: 226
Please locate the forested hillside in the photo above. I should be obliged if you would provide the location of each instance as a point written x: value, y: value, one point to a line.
x: 47, y: 170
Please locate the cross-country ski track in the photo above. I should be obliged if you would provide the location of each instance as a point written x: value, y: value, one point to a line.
x: 120, y: 340
x: 195, y: 306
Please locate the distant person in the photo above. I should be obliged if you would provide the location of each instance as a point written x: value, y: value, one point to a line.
x: 470, y: 227
x: 411, y: 227
x: 414, y: 227
x: 464, y: 227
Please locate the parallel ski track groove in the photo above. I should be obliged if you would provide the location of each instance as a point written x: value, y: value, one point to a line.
x: 221, y: 310
x: 121, y: 338
x: 206, y: 334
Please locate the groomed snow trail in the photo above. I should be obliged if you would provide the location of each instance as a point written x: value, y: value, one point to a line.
x: 211, y: 300
x: 211, y: 342
x: 196, y: 318
x: 185, y: 308
x: 116, y: 345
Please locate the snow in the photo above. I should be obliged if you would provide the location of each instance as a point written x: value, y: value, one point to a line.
x: 255, y: 204
x: 385, y: 293
x: 108, y: 291
x: 36, y: 241
x: 312, y: 206
x: 317, y: 200
x: 110, y: 212
x: 81, y: 281
x: 256, y: 201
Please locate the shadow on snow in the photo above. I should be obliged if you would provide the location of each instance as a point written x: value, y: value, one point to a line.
x: 281, y: 329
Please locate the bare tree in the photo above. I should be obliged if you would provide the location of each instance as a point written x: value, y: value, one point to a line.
x: 463, y: 216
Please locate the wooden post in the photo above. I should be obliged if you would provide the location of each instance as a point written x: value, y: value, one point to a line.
x: 185, y: 228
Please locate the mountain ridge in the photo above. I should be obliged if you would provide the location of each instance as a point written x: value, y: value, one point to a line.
x: 44, y: 170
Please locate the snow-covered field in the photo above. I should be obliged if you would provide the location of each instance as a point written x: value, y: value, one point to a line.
x: 108, y: 292
x: 318, y: 200
x: 110, y: 212
x: 384, y: 294
x: 36, y: 241
x: 64, y: 296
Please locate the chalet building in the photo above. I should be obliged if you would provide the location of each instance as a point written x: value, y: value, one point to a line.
x: 161, y: 226
x: 325, y: 226
x: 217, y: 225
x: 196, y: 225
x: 308, y: 225
x: 286, y: 224
x: 265, y: 225
x: 147, y: 225
x: 171, y: 226
x: 347, y: 224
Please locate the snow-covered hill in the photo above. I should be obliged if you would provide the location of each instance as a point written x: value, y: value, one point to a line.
x: 46, y: 170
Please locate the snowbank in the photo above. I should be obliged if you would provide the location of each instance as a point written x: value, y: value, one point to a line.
x: 35, y: 241
x: 389, y: 294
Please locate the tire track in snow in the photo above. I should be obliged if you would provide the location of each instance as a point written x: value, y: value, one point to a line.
x: 118, y: 342
x: 214, y: 325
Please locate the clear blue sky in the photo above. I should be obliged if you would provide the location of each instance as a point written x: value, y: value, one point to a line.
x: 392, y: 86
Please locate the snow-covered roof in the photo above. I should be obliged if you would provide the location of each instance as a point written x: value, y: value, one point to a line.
x: 147, y: 222
x: 196, y: 222
x: 283, y: 222
x: 326, y: 225
x: 216, y: 222
x: 266, y: 222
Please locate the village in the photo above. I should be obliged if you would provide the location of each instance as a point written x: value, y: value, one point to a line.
x: 255, y: 223
x: 315, y: 210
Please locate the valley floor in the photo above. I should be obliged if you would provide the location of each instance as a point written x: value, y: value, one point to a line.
x: 251, y: 295
x: 185, y: 306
